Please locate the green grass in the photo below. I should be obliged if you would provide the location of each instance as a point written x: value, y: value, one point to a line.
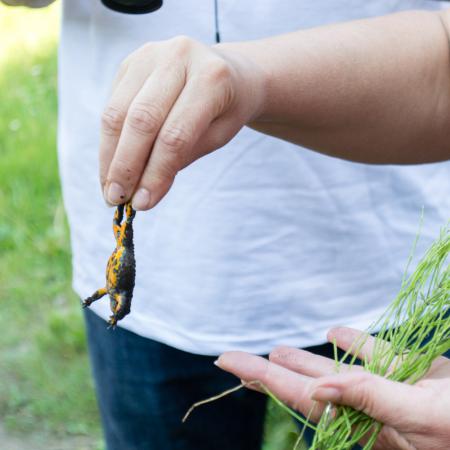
x: 45, y: 381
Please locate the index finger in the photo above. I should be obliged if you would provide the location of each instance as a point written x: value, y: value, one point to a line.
x: 291, y: 388
x: 145, y: 116
x: 113, y: 118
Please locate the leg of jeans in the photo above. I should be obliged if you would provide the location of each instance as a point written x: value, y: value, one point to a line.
x: 144, y: 388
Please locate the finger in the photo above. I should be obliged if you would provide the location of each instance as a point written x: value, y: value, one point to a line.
x: 290, y: 387
x: 303, y: 362
x: 217, y: 135
x: 357, y: 343
x: 440, y: 368
x: 123, y: 69
x: 394, y: 404
x: 145, y: 116
x: 114, y: 116
x: 190, y: 117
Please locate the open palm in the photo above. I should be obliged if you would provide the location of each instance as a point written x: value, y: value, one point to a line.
x: 414, y: 417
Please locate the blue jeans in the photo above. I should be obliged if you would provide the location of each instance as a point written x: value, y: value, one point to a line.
x: 144, y: 388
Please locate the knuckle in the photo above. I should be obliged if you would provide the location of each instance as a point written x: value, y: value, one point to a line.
x: 276, y: 353
x: 282, y: 353
x: 123, y: 67
x: 219, y: 71
x: 298, y: 398
x: 219, y: 77
x: 360, y: 393
x: 112, y: 120
x: 267, y: 376
x: 147, y: 47
x: 298, y: 403
x: 175, y: 139
x: 144, y: 119
x: 141, y: 51
x: 181, y: 45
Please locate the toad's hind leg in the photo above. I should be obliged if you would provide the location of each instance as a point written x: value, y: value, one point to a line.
x: 97, y: 295
x: 127, y: 226
x: 112, y: 322
x: 118, y: 217
x: 130, y: 212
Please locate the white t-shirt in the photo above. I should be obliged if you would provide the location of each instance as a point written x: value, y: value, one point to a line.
x: 260, y: 243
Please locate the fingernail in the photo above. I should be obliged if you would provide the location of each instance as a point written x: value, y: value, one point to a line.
x: 216, y: 363
x: 105, y: 196
x: 141, y: 200
x: 326, y: 394
x: 116, y: 194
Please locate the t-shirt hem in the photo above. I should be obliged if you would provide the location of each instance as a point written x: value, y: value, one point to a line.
x: 209, y: 346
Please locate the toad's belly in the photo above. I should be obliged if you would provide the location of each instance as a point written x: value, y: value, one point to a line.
x: 121, y: 271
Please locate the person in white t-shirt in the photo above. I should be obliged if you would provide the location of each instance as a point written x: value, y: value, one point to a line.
x: 253, y: 246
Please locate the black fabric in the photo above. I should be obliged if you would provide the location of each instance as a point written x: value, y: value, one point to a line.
x: 133, y: 7
x: 144, y: 388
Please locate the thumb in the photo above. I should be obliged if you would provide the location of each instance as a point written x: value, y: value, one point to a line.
x: 388, y: 402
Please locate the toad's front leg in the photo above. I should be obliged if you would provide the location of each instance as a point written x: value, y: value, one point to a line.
x: 97, y: 295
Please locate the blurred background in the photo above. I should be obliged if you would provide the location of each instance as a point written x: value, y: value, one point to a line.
x: 46, y: 393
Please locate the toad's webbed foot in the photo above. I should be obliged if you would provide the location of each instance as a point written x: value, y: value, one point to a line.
x: 112, y: 322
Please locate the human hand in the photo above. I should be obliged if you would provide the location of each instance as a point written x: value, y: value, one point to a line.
x: 172, y: 102
x: 414, y: 417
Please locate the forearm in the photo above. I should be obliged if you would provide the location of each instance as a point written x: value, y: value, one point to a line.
x: 30, y: 3
x: 375, y: 90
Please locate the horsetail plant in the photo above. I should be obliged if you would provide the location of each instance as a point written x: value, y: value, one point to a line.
x: 410, y: 335
x: 417, y: 327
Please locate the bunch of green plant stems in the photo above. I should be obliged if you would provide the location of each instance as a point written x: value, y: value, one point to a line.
x: 416, y: 327
x: 410, y: 335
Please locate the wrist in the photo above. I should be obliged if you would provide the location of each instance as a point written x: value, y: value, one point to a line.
x: 252, y: 77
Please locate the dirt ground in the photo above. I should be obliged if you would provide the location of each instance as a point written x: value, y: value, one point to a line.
x: 37, y: 441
